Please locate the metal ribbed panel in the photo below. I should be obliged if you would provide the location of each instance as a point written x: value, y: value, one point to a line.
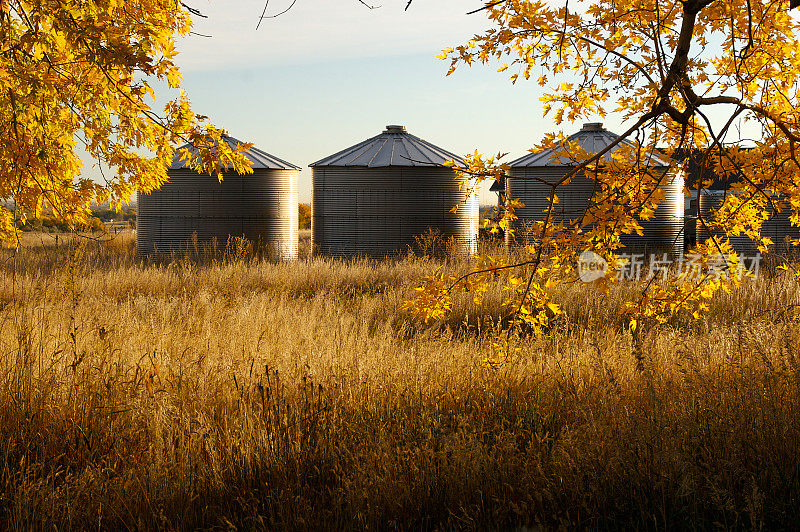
x: 664, y: 232
x: 573, y: 199
x: 710, y: 200
x: 261, y: 206
x: 689, y: 228
x: 377, y: 212
x: 777, y: 227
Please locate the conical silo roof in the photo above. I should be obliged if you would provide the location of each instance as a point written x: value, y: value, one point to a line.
x: 260, y: 160
x: 394, y: 147
x: 593, y: 138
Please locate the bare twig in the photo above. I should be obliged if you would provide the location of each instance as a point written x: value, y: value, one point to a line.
x: 194, y: 11
x: 276, y: 15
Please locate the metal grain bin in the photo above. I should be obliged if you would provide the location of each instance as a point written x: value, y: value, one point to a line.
x: 778, y: 227
x: 375, y: 198
x: 261, y: 207
x: 664, y: 232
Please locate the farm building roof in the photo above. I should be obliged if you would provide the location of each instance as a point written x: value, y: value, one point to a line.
x: 260, y: 160
x: 394, y: 147
x: 593, y: 138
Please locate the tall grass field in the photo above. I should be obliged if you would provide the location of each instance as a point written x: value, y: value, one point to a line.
x: 232, y: 392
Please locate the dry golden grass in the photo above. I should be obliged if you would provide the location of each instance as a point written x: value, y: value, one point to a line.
x: 234, y: 392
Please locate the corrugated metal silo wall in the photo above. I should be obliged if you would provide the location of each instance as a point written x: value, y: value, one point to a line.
x: 377, y: 212
x: 662, y: 233
x: 261, y: 206
x: 573, y: 198
x: 778, y: 227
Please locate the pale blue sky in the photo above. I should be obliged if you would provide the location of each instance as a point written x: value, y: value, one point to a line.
x: 305, y: 112
x: 331, y: 73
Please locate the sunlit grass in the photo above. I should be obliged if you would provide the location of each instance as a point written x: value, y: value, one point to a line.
x: 232, y: 390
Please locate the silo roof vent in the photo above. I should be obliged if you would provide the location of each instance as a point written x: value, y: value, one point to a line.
x: 592, y: 126
x: 395, y: 129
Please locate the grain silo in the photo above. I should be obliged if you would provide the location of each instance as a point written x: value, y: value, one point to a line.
x: 375, y: 198
x: 261, y: 207
x: 777, y: 227
x: 663, y: 232
x: 710, y: 200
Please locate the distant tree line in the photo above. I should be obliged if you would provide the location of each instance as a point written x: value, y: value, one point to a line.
x: 304, y: 216
x: 487, y: 212
x: 54, y: 224
x: 110, y: 215
x: 100, y: 217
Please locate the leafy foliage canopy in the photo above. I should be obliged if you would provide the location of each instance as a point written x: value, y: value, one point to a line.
x: 79, y: 74
x: 682, y: 75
